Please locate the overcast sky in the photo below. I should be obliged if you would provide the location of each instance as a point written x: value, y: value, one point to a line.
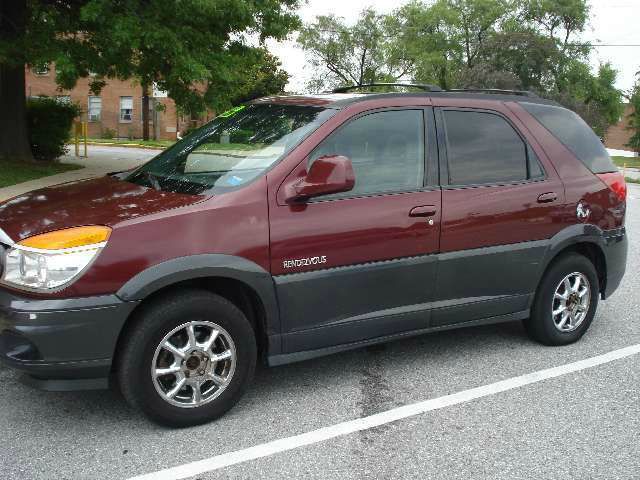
x: 611, y: 22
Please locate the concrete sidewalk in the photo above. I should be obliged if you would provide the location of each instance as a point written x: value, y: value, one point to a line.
x: 632, y: 173
x: 101, y: 160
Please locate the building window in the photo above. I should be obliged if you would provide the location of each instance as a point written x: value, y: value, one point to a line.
x: 41, y: 70
x: 66, y: 99
x: 95, y: 109
x: 126, y: 109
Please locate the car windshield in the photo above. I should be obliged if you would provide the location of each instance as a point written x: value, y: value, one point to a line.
x: 232, y: 150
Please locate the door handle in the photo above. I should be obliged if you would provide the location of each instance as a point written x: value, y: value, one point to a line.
x: 423, y: 211
x: 548, y: 197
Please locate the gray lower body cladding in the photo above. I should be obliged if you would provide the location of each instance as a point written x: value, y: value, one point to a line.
x: 61, y: 338
x: 341, y: 308
x: 65, y: 343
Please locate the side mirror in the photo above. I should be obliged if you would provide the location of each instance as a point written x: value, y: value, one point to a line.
x: 329, y: 174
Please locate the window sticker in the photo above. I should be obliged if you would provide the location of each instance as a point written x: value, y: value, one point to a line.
x: 233, y: 111
x: 234, y: 180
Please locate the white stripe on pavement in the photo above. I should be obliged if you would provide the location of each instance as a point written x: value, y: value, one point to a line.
x: 289, y: 443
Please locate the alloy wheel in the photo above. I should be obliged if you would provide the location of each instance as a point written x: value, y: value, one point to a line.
x: 193, y: 364
x: 571, y: 302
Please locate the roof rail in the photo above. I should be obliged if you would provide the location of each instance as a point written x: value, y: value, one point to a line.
x: 497, y: 91
x: 421, y: 86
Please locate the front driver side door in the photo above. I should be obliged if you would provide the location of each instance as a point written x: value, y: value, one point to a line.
x: 360, y: 265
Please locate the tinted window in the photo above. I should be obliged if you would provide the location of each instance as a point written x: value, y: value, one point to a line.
x: 575, y: 134
x: 483, y: 148
x: 386, y: 149
x: 535, y: 169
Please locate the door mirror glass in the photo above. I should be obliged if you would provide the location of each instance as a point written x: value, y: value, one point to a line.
x: 327, y: 175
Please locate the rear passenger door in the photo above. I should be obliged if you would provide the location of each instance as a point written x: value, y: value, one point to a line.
x: 376, y: 270
x: 501, y: 200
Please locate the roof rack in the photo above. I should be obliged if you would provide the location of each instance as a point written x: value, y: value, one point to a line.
x: 497, y: 91
x: 421, y: 86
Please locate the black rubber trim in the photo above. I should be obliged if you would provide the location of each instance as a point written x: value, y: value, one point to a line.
x: 65, y: 385
x: 275, y: 360
x: 208, y: 265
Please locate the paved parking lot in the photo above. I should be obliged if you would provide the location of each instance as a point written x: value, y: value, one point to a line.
x: 579, y: 425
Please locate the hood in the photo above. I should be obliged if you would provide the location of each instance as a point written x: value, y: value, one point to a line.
x: 101, y: 201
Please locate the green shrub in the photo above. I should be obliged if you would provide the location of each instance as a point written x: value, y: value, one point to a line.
x: 108, y: 134
x: 49, y: 125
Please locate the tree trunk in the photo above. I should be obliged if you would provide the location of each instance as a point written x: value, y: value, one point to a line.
x: 145, y: 112
x: 14, y: 141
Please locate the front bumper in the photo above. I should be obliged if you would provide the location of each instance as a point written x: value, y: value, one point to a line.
x: 61, y: 340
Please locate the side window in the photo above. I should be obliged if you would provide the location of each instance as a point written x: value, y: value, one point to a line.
x: 386, y: 149
x: 535, y: 169
x: 484, y: 148
x: 575, y: 134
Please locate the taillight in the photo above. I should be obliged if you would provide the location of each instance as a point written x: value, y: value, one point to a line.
x: 615, y: 181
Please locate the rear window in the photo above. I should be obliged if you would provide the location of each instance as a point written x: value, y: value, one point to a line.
x: 574, y: 134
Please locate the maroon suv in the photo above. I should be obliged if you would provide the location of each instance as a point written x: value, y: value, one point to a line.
x: 300, y: 226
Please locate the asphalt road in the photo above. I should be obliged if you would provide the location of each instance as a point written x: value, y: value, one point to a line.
x: 582, y: 425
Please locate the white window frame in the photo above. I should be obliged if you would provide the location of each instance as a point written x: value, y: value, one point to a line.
x: 123, y: 115
x: 42, y: 70
x: 92, y: 116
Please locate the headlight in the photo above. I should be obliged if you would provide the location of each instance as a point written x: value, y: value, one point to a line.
x: 53, y: 259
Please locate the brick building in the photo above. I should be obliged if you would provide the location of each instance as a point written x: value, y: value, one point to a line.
x: 117, y: 111
x: 617, y: 135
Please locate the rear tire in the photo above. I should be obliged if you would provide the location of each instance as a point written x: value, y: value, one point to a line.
x: 172, y: 334
x: 565, y: 302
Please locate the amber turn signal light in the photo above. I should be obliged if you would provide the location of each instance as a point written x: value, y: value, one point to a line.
x: 68, y: 238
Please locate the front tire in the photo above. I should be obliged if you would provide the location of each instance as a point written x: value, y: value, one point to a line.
x: 187, y: 359
x: 566, y: 301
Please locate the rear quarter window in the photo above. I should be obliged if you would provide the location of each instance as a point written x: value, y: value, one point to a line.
x: 574, y: 134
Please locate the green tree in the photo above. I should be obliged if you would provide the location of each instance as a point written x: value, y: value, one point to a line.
x: 266, y: 77
x: 634, y: 117
x: 504, y: 44
x: 594, y: 97
x: 199, y: 51
x: 351, y: 55
x: 603, y: 93
x: 558, y: 19
x: 510, y: 44
x: 424, y: 35
x: 523, y: 53
x: 470, y: 23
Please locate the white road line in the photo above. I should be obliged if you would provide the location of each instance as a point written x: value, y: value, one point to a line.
x: 289, y: 443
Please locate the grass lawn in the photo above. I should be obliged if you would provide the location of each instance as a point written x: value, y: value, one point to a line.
x: 632, y: 180
x: 633, y: 162
x: 12, y: 173
x: 132, y: 143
